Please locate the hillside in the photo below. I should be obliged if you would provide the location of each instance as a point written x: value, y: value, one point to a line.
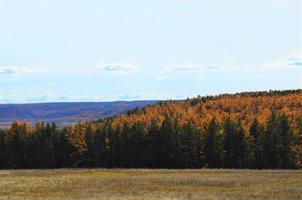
x: 258, y: 130
x: 64, y: 113
x: 200, y: 110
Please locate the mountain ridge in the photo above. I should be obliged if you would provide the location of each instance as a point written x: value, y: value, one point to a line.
x: 64, y: 113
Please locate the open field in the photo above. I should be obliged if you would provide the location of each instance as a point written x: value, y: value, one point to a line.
x: 150, y: 184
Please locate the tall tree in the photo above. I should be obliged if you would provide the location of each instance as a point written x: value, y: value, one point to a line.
x: 167, y: 136
x: 77, y: 135
x: 241, y: 145
x: 286, y: 141
x: 269, y: 143
x: 2, y: 149
x: 90, y: 157
x: 154, y: 144
x: 234, y: 145
x: 101, y: 148
x: 255, y: 132
x: 229, y: 154
x: 16, y: 144
x: 62, y: 148
x: 212, y: 144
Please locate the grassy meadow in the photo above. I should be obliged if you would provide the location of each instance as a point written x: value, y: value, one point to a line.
x: 150, y: 184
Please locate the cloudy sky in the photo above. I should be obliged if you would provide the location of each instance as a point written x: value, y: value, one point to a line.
x: 97, y: 50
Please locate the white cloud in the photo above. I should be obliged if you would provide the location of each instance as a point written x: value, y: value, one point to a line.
x: 288, y: 62
x: 294, y: 60
x: 7, y: 71
x: 17, y: 71
x: 12, y: 79
x: 202, y: 78
x: 254, y: 77
x: 161, y: 78
x: 52, y: 83
x: 116, y: 68
x: 192, y: 67
x: 257, y: 76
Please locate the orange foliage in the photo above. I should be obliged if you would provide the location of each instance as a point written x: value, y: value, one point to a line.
x: 244, y: 107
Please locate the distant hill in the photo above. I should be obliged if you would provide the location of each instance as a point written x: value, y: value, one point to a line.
x: 65, y: 113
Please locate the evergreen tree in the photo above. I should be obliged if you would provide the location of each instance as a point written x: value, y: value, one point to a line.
x: 229, y: 154
x: 138, y: 145
x: 240, y: 146
x: 2, y: 150
x: 234, y: 145
x: 62, y: 148
x: 101, y: 148
x: 153, y: 145
x: 286, y: 141
x: 212, y: 144
x: 297, y: 148
x: 90, y: 157
x: 167, y: 136
x: 191, y: 144
x: 125, y: 145
x: 277, y: 142
x: 16, y: 144
x: 255, y: 157
x: 48, y: 158
x: 268, y: 143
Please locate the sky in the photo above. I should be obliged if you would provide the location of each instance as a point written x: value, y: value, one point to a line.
x: 97, y: 50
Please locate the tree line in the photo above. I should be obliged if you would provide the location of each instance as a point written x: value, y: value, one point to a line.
x: 217, y: 144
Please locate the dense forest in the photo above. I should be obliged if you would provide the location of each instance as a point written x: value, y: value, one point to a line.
x: 258, y: 130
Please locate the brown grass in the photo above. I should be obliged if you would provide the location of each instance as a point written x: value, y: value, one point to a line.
x: 150, y: 184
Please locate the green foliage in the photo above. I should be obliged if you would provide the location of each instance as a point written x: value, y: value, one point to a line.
x: 255, y: 157
x: 212, y: 144
x: 2, y: 149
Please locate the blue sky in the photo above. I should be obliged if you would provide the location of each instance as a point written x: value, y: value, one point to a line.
x: 97, y: 50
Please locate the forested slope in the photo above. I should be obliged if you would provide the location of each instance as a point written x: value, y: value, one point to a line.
x: 246, y: 130
x: 200, y: 110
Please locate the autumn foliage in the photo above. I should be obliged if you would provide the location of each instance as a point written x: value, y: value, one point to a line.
x: 246, y: 130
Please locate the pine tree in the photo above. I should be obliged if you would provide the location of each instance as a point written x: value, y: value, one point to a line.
x: 16, y: 144
x: 153, y: 144
x: 255, y: 157
x: 137, y: 145
x: 234, y: 145
x: 62, y: 148
x: 101, y: 148
x: 240, y: 146
x: 90, y: 154
x: 268, y: 143
x: 192, y: 146
x: 212, y: 144
x: 48, y: 149
x: 2, y: 150
x: 229, y: 137
x: 167, y: 135
x: 286, y: 141
x: 297, y: 147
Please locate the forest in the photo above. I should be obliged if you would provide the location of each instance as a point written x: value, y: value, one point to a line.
x: 256, y: 130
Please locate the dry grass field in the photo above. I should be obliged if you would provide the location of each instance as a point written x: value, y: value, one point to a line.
x: 150, y: 184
